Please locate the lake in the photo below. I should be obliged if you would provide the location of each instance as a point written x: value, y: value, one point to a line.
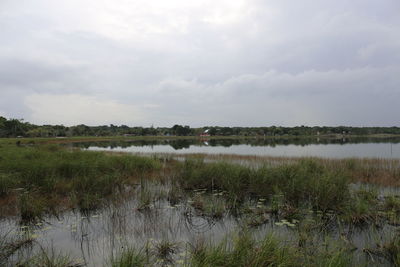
x: 308, y: 147
x: 157, y: 210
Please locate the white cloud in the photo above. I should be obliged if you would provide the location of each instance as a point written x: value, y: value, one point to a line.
x: 364, y: 96
x: 73, y: 109
x: 201, y: 62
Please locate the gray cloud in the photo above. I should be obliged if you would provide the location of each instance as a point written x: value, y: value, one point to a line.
x: 201, y: 62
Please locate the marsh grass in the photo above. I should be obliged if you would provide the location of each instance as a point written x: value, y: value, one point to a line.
x: 50, y: 176
x: 164, y: 251
x: 7, y: 183
x: 156, y: 253
x: 243, y: 250
x: 338, y: 257
x: 175, y: 195
x: 9, y: 246
x: 378, y: 171
x: 22, y: 244
x: 308, y: 198
x: 146, y: 198
x: 239, y: 249
x: 209, y: 205
x: 392, y: 203
x: 50, y: 259
x: 389, y: 250
x: 130, y: 257
x: 364, y: 208
x: 306, y: 182
x: 31, y: 207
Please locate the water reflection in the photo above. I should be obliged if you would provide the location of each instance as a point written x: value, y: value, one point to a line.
x: 96, y: 237
x: 286, y: 147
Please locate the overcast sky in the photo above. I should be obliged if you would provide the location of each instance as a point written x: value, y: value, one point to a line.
x: 201, y: 62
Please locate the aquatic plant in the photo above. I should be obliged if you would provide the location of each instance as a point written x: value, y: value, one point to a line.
x: 209, y: 206
x: 51, y: 259
x: 51, y: 176
x: 304, y: 182
x: 9, y: 246
x: 30, y: 206
x: 244, y: 252
x: 392, y: 203
x: 362, y: 208
x: 164, y: 250
x: 130, y: 258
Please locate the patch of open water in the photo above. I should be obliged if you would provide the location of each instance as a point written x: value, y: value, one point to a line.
x: 330, y: 148
x: 94, y: 238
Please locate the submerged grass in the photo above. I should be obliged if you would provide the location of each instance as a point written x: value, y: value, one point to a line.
x: 9, y: 246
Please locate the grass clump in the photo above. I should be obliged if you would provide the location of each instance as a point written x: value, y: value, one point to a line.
x: 161, y: 254
x: 392, y: 250
x: 389, y: 250
x: 7, y: 183
x: 209, y: 206
x: 244, y: 251
x: 164, y: 251
x: 363, y: 208
x: 337, y: 258
x: 146, y: 198
x: 31, y: 207
x: 130, y: 258
x: 392, y: 203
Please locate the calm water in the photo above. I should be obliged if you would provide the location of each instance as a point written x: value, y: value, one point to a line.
x: 96, y: 237
x: 332, y: 148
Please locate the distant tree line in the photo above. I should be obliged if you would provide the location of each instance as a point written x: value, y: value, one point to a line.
x: 18, y: 127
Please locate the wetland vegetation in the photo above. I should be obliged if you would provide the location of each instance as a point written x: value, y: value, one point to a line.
x: 61, y: 206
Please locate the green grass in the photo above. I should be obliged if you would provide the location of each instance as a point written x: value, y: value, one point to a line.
x: 305, y: 197
x: 43, y: 177
x: 363, y: 208
x: 244, y: 251
x: 164, y: 251
x: 389, y: 250
x: 392, y: 250
x: 50, y: 259
x: 209, y: 206
x: 130, y: 258
x: 392, y: 203
x: 7, y: 183
x: 239, y: 250
x: 288, y: 191
x: 299, y: 184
